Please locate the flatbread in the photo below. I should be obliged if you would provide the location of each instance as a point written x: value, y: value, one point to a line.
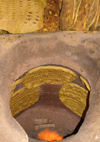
x: 80, y: 15
x: 21, y: 16
x: 66, y: 16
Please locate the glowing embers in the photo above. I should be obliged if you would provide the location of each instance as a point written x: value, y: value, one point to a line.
x: 48, y: 135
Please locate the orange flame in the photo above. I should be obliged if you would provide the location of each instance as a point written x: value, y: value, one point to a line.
x: 48, y: 135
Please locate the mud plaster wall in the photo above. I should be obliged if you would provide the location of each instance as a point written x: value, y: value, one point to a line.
x: 76, y: 50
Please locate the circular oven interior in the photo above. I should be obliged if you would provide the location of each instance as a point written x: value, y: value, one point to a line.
x: 50, y: 96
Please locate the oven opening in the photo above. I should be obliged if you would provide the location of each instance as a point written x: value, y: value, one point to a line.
x: 50, y: 102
